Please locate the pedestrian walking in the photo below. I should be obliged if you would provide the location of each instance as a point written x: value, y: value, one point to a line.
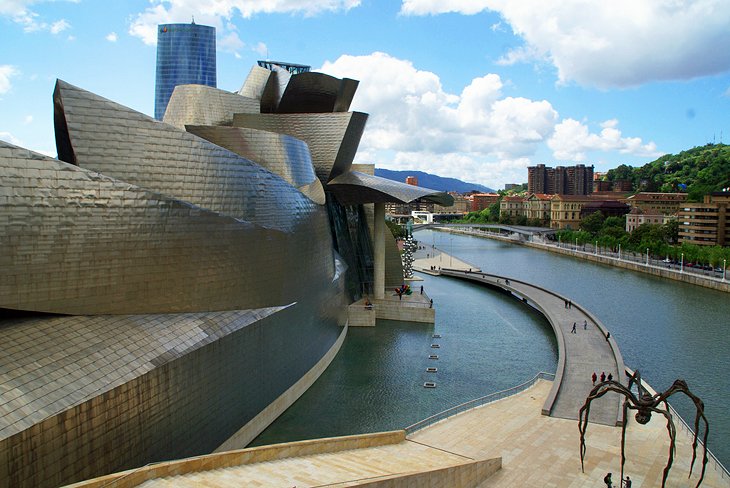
x: 566, y: 303
x: 570, y: 304
x: 573, y: 330
x: 603, y: 376
x: 585, y: 325
x: 430, y: 304
x: 608, y: 336
x: 594, y: 377
x: 607, y: 480
x: 627, y: 482
x: 421, y: 289
x: 609, y: 377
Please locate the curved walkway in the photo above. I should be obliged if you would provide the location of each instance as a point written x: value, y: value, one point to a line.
x: 579, y: 354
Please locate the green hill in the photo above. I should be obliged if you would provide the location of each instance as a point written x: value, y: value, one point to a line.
x: 698, y: 171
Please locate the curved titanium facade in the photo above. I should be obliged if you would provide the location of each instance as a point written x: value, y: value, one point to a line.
x: 158, y: 290
x: 185, y: 56
x: 332, y: 138
x: 198, y: 285
x: 203, y: 105
x: 317, y: 92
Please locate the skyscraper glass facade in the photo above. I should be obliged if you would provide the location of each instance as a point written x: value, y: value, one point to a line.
x: 185, y: 55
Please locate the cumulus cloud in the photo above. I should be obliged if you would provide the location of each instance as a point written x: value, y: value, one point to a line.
x: 572, y: 140
x: 609, y: 44
x: 112, y: 37
x: 59, y: 26
x: 217, y: 12
x: 412, y: 116
x: 7, y: 72
x: 19, y: 12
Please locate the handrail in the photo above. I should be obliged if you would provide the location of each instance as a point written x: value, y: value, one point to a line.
x: 723, y: 470
x: 463, y: 407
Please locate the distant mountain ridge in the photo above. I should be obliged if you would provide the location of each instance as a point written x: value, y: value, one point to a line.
x: 433, y: 182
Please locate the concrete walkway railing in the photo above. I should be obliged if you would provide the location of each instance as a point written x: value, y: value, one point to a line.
x: 542, y: 299
x: 477, y: 402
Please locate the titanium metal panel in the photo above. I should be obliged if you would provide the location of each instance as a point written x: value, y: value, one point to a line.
x: 203, y: 105
x: 317, y: 93
x: 281, y: 154
x: 332, y: 138
x: 77, y: 242
x: 127, y: 145
x: 355, y: 187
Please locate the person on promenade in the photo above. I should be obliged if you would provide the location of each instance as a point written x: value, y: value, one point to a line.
x: 421, y: 289
x: 430, y: 304
x: 627, y: 482
x: 594, y: 377
x: 570, y: 304
x: 603, y: 376
x: 608, y: 481
x: 609, y: 377
x: 566, y: 303
x: 608, y: 336
x: 585, y: 325
x: 573, y: 330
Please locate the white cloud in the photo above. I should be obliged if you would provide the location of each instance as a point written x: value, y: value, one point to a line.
x: 413, y: 117
x: 19, y: 12
x: 112, y: 37
x: 433, y: 7
x: 7, y: 72
x: 609, y: 44
x: 217, y: 12
x: 230, y: 43
x: 8, y: 137
x: 28, y: 119
x: 261, y: 49
x: 59, y: 26
x: 572, y: 141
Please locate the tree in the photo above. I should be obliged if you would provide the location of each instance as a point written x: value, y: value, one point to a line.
x: 592, y: 223
x: 397, y: 230
x: 494, y: 212
x: 671, y: 231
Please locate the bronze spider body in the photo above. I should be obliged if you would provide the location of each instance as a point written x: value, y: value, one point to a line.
x: 645, y: 404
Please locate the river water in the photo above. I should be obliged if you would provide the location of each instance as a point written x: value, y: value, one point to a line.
x: 665, y: 329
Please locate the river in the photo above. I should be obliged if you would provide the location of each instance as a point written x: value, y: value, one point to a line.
x: 665, y: 329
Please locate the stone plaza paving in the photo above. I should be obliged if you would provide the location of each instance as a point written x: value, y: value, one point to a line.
x: 535, y: 451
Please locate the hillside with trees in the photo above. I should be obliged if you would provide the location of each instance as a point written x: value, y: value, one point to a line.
x: 698, y: 171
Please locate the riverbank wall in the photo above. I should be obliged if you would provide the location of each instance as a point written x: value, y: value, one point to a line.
x: 607, y: 260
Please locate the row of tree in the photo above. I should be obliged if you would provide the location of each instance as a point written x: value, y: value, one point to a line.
x: 660, y: 240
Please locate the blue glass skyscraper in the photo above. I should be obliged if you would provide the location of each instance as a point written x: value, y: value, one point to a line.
x: 185, y: 55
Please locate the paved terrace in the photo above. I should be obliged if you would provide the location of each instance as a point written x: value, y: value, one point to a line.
x: 503, y: 444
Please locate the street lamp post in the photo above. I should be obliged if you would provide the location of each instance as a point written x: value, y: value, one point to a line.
x: 619, y: 252
x: 558, y: 241
x: 595, y: 249
x: 647, y: 256
x: 681, y: 264
x: 576, y: 245
x: 724, y: 268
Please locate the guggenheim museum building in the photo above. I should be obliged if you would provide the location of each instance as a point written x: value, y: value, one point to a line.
x: 169, y: 287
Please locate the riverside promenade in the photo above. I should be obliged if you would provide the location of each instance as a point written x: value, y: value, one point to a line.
x: 580, y: 353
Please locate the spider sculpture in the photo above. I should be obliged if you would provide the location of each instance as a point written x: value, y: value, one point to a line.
x: 645, y: 403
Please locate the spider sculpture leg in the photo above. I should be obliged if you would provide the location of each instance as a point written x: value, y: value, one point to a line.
x: 681, y: 386
x: 597, y: 392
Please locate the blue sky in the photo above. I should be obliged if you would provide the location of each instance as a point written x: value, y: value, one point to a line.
x: 472, y: 89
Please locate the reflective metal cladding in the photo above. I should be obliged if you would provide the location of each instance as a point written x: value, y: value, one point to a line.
x: 161, y: 287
